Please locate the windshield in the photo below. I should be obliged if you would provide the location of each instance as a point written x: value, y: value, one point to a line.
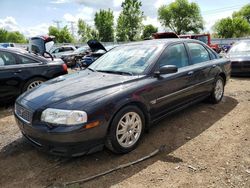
x: 132, y: 59
x: 241, y: 47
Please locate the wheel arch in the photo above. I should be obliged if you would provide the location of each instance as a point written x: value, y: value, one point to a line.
x: 223, y: 75
x: 138, y: 104
x: 31, y: 78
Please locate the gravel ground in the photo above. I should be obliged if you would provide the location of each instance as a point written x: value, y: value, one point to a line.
x: 206, y: 146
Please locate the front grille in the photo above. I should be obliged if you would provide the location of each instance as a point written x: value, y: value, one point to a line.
x: 23, y: 113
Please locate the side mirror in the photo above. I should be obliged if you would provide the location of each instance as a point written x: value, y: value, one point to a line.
x: 167, y: 69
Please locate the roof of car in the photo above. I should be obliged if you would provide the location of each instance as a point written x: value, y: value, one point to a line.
x: 159, y: 41
x: 18, y: 52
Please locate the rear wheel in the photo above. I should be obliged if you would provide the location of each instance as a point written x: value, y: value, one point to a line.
x: 126, y: 130
x: 218, y: 91
x: 33, y: 83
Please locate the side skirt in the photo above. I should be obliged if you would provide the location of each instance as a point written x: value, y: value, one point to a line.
x: 195, y: 101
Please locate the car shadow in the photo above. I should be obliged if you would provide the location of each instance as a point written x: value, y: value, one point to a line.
x: 241, y: 77
x: 6, y: 110
x: 38, y: 168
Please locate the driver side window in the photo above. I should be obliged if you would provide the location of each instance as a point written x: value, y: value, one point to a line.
x: 174, y: 55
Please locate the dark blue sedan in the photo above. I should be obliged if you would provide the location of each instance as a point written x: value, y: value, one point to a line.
x: 121, y: 94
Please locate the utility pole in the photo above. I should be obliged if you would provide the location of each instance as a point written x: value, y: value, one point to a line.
x: 72, y: 27
x: 57, y: 23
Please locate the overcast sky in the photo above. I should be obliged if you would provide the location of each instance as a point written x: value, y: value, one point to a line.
x: 34, y: 17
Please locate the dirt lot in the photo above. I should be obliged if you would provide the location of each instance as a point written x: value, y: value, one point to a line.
x: 207, y: 146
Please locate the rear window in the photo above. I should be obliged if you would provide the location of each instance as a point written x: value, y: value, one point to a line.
x: 7, y: 58
x: 25, y: 60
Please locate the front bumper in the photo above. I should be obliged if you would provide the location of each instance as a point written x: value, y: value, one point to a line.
x: 71, y: 144
x: 240, y: 68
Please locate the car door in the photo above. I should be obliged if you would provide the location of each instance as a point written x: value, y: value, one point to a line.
x: 171, y: 91
x: 30, y: 68
x: 201, y: 69
x: 9, y: 76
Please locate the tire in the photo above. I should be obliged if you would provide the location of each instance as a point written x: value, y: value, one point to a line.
x: 218, y: 90
x: 119, y: 138
x: 30, y: 84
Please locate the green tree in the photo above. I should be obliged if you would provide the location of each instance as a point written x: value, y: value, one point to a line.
x: 65, y: 35
x: 129, y: 24
x: 148, y: 31
x: 54, y: 32
x: 16, y: 37
x: 61, y: 35
x: 232, y: 27
x: 181, y: 17
x: 85, y: 31
x: 121, y: 30
x: 224, y: 28
x: 3, y: 35
x: 104, y: 23
x: 243, y: 12
x: 241, y: 27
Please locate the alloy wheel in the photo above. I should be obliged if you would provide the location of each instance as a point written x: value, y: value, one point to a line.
x: 129, y: 129
x: 219, y: 89
x: 34, y: 84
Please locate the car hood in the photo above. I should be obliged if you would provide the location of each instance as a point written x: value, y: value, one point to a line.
x: 95, y: 45
x: 64, y: 88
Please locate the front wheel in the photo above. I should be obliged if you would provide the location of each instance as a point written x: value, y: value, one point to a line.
x: 218, y: 91
x: 126, y: 130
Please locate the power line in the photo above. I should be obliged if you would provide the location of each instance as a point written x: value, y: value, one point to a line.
x: 214, y: 11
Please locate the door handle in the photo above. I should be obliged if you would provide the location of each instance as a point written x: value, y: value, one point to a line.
x: 190, y: 73
x: 18, y: 71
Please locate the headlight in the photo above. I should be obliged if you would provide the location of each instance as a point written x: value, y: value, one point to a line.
x: 64, y: 117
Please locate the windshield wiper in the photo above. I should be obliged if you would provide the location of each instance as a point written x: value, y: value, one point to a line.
x: 91, y: 69
x: 116, y: 72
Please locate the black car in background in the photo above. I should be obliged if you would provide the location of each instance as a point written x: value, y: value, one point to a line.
x: 120, y: 95
x: 89, y: 58
x: 239, y: 55
x: 21, y: 71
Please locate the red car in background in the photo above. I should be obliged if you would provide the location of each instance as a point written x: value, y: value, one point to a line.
x: 206, y: 38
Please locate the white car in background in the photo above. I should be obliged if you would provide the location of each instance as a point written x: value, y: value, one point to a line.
x: 59, y: 51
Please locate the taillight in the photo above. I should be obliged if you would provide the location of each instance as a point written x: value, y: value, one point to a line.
x: 65, y: 68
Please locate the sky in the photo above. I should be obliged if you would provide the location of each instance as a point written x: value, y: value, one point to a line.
x: 33, y: 17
